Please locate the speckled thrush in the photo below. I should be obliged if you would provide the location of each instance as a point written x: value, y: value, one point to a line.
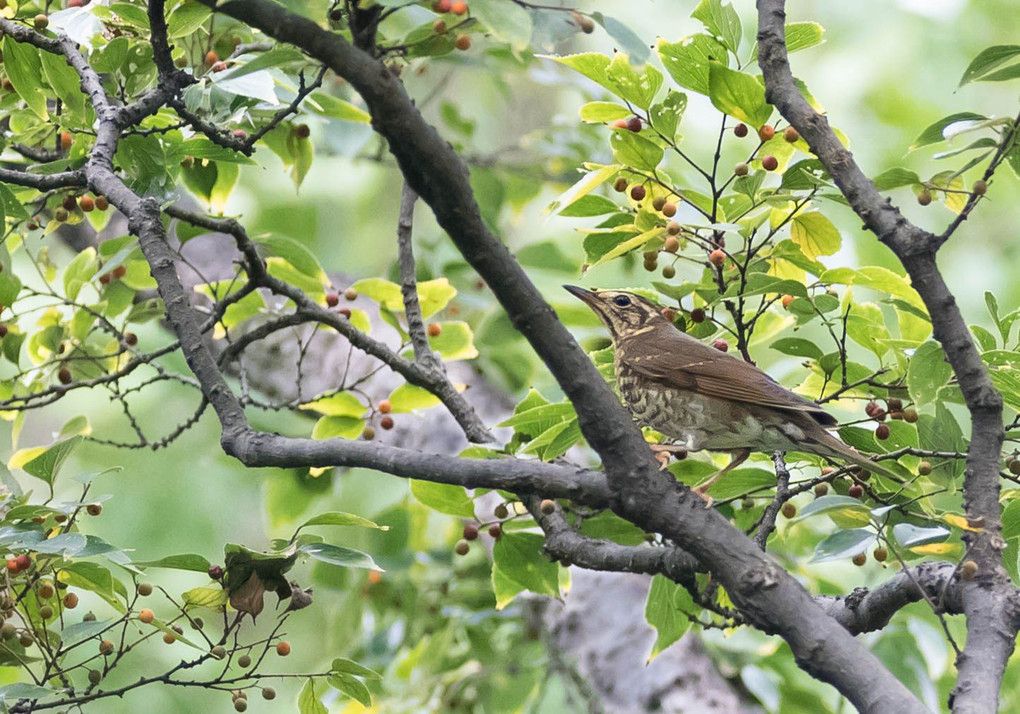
x: 702, y: 398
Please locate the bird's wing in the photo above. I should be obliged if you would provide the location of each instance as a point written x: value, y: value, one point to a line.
x: 686, y: 363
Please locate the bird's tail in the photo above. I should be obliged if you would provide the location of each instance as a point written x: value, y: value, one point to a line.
x: 831, y: 446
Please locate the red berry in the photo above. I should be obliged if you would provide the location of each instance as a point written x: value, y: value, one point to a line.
x: 332, y: 299
x: 740, y: 131
x: 470, y: 531
x: 130, y: 339
x: 302, y: 131
x: 766, y: 132
x: 721, y: 345
x: 638, y: 192
x: 386, y: 422
x: 697, y: 315
x: 442, y: 6
x: 770, y: 163
x: 64, y: 375
x: 882, y: 431
x: 215, y: 572
x: 24, y: 562
x: 634, y: 124
x: 855, y: 491
x: 496, y: 531
x: 87, y: 203
x: 458, y: 7
x: 463, y: 42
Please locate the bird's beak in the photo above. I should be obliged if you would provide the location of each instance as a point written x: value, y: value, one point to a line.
x: 584, y: 294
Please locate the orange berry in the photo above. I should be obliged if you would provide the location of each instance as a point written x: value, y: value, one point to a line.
x: 146, y: 616
x: 669, y: 209
x: 384, y: 406
x: 283, y: 648
x: 66, y: 140
x: 463, y: 42
x: 787, y: 299
x: 766, y: 132
x: 211, y: 58
x: 87, y: 203
x: 620, y: 124
x: 435, y: 329
x: 717, y: 258
x: 70, y: 601
x: 106, y: 647
x: 458, y: 7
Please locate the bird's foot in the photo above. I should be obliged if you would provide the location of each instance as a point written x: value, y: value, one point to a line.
x: 703, y: 492
x: 662, y: 452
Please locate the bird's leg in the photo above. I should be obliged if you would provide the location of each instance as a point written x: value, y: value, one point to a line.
x: 701, y: 489
x: 662, y: 453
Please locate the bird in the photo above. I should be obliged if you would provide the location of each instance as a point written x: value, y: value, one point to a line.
x: 699, y: 397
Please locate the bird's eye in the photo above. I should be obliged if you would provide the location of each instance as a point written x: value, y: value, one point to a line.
x: 621, y: 300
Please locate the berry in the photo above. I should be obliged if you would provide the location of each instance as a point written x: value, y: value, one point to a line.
x: 717, y: 258
x: 740, y: 131
x: 697, y: 315
x: 41, y: 22
x: 105, y: 647
x: 669, y: 209
x: 770, y: 163
x: 587, y: 25
x: 619, y: 124
x: 721, y: 345
x: 747, y: 504
x: 130, y: 339
x: 219, y: 652
x: 24, y: 562
x: 501, y: 511
x: 12, y: 566
x: 634, y: 124
x: 218, y: 66
x: 46, y: 590
x: 95, y: 676
x: 871, y: 408
x: 458, y: 7
x: 70, y: 601
x: 787, y: 299
x: 26, y: 639
x: 673, y: 228
x: 671, y: 245
x: 924, y: 198
x: 894, y: 405
x: 651, y: 264
x: 239, y: 134
x: 45, y: 612
x: 386, y: 422
x: 60, y: 215
x: 855, y: 491
x: 462, y: 547
x: 332, y: 299
x: 658, y: 202
x: 146, y: 616
x: 88, y: 617
x: 346, y: 312
x: 882, y: 432
x: 119, y: 272
x: 268, y: 693
x: 766, y: 132
x: 3, y: 330
x: 32, y: 224
x: 244, y: 661
x: 442, y: 6
x: 470, y: 531
x: 368, y: 434
x: 336, y: 15
x: 283, y: 648
x: 69, y: 202
x: 215, y: 572
x: 741, y: 169
x: 350, y: 294
x: 881, y: 554
x: 64, y: 376
x: 860, y: 559
x: 789, y: 510
x: 910, y: 416
x: 924, y: 468
x: 620, y: 185
x: 439, y: 26
x: 463, y: 42
x: 1014, y: 466
x: 169, y: 638
x: 821, y: 489
x: 968, y: 569
x: 145, y: 589
x: 638, y: 192
x: 384, y: 406
x: 302, y: 131
x: 240, y: 705
x: 181, y: 62
x: 547, y: 506
x: 669, y: 272
x: 980, y: 188
x: 435, y: 329
x: 211, y: 58
x: 496, y: 531
x: 791, y: 134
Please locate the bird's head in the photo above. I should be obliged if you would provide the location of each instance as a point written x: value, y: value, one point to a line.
x: 623, y: 312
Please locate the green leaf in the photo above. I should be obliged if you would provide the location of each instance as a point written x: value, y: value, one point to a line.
x: 628, y: 83
x: 94, y: 578
x: 844, y: 544
x: 688, y: 60
x: 666, y: 115
x: 186, y: 18
x: 797, y: 347
x: 294, y: 252
x: 626, y: 39
x: 21, y: 690
x: 454, y: 342
x: 213, y: 598
x: 609, y: 526
x: 720, y: 20
x: 739, y: 95
x: 443, y: 497
x: 815, y: 234
x: 666, y: 610
x: 927, y: 373
x: 339, y: 555
x: 338, y: 427
x: 434, y: 295
x: 47, y: 465
x: 592, y: 65
x: 909, y: 535
x: 409, y: 398
x: 340, y: 518
x: 339, y: 404
x: 308, y: 703
x: 894, y: 178
x: 350, y: 686
x: 67, y: 86
x: 507, y: 20
x: 933, y: 133
x: 540, y: 418
x: 635, y: 151
x: 78, y: 632
x: 844, y: 507
x: 277, y: 57
x: 600, y: 112
x: 801, y: 35
x: 987, y: 60
x: 585, y: 185
x: 741, y: 481
x: 762, y: 284
x: 519, y: 564
x: 342, y: 665
x: 384, y: 292
x: 189, y: 561
x: 24, y: 69
x: 79, y: 272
